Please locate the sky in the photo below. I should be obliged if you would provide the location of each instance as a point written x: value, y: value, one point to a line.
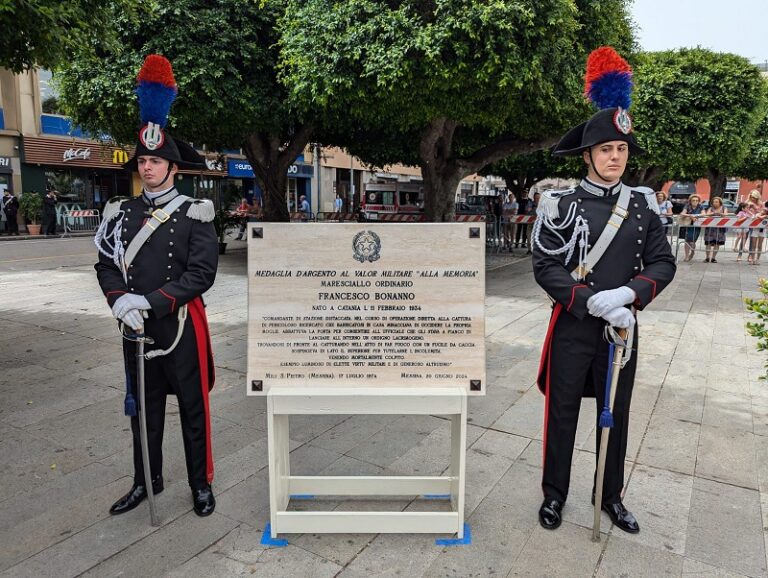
x: 737, y: 26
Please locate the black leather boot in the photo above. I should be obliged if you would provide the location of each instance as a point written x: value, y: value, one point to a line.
x: 204, y: 502
x: 621, y: 517
x: 550, y: 514
x: 135, y: 496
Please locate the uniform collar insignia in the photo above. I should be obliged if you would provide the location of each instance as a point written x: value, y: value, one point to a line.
x: 600, y: 190
x: 161, y: 200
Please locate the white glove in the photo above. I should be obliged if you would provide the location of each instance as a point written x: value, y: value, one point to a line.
x: 621, y: 317
x: 604, y: 301
x: 128, y: 302
x: 134, y: 319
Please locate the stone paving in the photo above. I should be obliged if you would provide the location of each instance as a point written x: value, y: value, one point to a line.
x: 697, y: 458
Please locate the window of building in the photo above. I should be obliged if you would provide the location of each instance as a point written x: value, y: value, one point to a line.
x: 291, y: 194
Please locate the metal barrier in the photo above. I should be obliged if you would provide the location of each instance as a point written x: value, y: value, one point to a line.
x: 334, y: 217
x: 748, y: 236
x: 402, y: 218
x: 301, y: 217
x: 494, y: 230
x: 80, y: 221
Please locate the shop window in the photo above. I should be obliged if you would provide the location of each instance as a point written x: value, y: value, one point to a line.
x: 206, y: 187
x: 6, y: 184
x: 70, y: 185
x: 291, y: 195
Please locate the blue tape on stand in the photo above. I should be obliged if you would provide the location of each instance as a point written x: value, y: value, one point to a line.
x: 436, y: 496
x: 467, y: 539
x: 302, y: 497
x: 268, y: 540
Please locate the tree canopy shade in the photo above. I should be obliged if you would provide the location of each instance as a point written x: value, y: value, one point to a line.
x: 224, y: 55
x: 696, y: 112
x: 521, y: 172
x: 464, y: 83
x: 44, y: 33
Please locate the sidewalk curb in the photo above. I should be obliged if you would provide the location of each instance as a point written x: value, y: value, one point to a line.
x: 27, y: 237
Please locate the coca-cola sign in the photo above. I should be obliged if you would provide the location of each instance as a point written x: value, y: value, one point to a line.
x: 73, y: 154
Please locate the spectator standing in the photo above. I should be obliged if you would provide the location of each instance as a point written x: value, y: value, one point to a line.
x: 665, y: 209
x: 242, y: 210
x: 714, y: 237
x: 49, y: 212
x: 741, y: 234
x: 534, y: 206
x: 498, y: 210
x: 691, y: 211
x: 509, y: 211
x: 338, y: 203
x: 304, y: 208
x: 755, y: 208
x: 11, y: 208
x: 521, y: 235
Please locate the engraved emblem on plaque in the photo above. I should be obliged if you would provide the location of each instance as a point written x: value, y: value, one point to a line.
x: 367, y: 246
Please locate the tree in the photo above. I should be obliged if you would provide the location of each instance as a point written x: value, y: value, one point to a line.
x: 464, y: 83
x: 695, y: 112
x: 755, y: 164
x: 521, y: 172
x: 224, y: 55
x: 44, y: 32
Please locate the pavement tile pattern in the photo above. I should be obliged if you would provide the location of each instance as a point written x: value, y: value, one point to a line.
x: 697, y: 462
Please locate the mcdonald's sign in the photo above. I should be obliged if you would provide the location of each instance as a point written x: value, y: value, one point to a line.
x: 119, y: 156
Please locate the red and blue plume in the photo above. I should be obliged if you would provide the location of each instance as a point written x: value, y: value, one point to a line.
x: 156, y: 90
x: 608, y: 81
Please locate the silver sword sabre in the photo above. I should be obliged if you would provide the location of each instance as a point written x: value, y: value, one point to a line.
x: 606, y: 431
x: 141, y: 340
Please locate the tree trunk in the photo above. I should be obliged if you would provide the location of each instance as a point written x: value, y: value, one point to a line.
x: 716, y: 183
x: 270, y: 156
x: 442, y: 172
x: 644, y: 177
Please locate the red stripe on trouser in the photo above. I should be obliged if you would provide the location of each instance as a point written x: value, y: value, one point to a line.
x: 548, y: 352
x: 203, y: 340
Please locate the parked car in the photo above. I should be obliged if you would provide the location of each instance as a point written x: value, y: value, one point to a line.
x: 463, y: 208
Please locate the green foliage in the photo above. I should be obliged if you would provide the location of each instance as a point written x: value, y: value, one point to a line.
x: 44, y: 32
x: 223, y: 55
x: 491, y: 65
x: 455, y: 84
x: 31, y: 206
x: 758, y: 328
x: 51, y: 105
x: 755, y: 164
x: 223, y: 220
x: 696, y: 111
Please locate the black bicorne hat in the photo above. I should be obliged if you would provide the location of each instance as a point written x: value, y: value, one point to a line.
x: 156, y: 90
x: 172, y: 149
x: 608, y: 85
x: 605, y: 125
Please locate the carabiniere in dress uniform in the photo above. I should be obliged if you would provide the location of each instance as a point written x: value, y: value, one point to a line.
x: 600, y: 253
x: 158, y: 254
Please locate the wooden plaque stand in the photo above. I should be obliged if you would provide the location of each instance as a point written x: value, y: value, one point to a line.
x: 283, y: 402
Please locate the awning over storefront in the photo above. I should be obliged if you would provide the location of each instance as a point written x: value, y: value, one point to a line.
x: 69, y: 152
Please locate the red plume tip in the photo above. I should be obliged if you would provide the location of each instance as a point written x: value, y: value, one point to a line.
x: 158, y: 69
x: 602, y: 60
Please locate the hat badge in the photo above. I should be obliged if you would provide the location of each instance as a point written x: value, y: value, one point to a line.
x: 622, y: 121
x: 151, y: 136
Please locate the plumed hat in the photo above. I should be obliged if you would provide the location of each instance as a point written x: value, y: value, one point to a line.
x: 156, y: 90
x: 608, y: 85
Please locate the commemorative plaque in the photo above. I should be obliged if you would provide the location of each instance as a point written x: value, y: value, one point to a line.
x: 366, y: 305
